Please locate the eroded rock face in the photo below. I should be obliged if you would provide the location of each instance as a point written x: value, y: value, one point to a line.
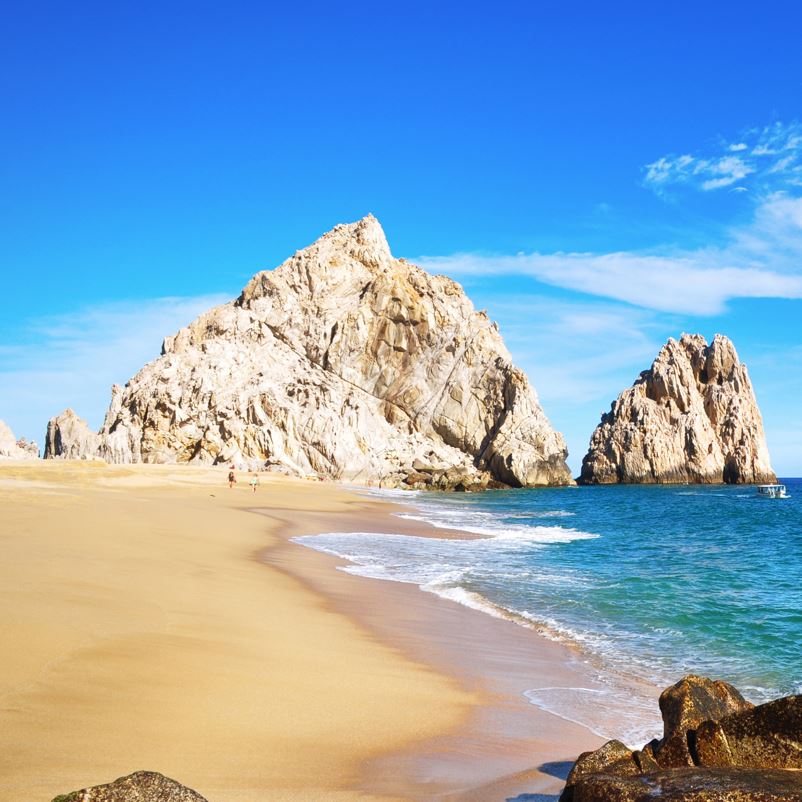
x: 692, y: 417
x: 69, y: 437
x: 11, y: 448
x: 344, y: 362
x: 685, y: 706
x: 143, y: 786
x: 769, y: 736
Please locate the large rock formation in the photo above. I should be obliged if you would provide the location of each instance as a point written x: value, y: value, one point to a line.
x: 11, y: 448
x: 692, y: 417
x: 716, y: 747
x: 348, y: 363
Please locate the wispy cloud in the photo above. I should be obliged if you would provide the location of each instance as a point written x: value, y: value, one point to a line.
x: 759, y: 260
x: 768, y: 159
x: 72, y: 360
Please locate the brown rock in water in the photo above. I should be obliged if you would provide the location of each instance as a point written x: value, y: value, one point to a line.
x: 717, y: 747
x: 142, y: 786
x: 767, y: 736
x: 692, y: 417
x: 344, y: 362
x: 693, y: 785
x: 613, y: 757
x: 684, y: 707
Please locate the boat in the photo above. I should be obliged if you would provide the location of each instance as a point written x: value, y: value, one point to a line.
x: 772, y: 491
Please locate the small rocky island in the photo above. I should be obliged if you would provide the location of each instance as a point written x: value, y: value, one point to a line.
x: 343, y: 362
x: 691, y: 418
x: 716, y: 747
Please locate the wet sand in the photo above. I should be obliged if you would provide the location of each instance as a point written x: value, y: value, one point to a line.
x: 507, y: 747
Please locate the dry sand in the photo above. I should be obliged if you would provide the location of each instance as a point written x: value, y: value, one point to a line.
x: 138, y: 631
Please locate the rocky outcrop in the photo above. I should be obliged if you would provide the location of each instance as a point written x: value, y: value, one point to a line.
x: 347, y: 363
x: 692, y: 417
x: 69, y: 437
x: 684, y: 707
x: 11, y: 448
x: 142, y: 786
x: 768, y: 736
x: 716, y: 747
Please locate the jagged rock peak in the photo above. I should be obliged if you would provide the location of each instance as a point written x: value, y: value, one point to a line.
x: 69, y: 437
x: 344, y: 362
x: 11, y: 448
x: 692, y: 417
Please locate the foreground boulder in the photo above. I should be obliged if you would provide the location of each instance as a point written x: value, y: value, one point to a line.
x: 143, y: 786
x: 684, y: 707
x: 692, y: 417
x: 11, y: 448
x: 716, y: 747
x: 347, y: 363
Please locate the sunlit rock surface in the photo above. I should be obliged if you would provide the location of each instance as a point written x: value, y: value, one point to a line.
x: 692, y: 417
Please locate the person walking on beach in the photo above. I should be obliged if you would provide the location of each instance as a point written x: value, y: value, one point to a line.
x: 254, y: 481
x: 232, y: 477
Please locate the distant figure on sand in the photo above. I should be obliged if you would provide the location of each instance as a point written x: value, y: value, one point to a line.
x: 232, y: 478
x: 254, y: 481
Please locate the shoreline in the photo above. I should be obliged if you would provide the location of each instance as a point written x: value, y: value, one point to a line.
x: 148, y: 601
x: 509, y: 746
x: 139, y: 632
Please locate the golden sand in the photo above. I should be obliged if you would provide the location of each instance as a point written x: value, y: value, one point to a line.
x: 138, y: 631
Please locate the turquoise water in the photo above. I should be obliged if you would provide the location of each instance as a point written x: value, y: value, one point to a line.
x: 650, y: 581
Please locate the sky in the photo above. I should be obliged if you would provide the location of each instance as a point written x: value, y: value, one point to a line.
x: 599, y: 177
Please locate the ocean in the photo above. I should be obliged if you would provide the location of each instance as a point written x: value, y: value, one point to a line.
x: 647, y: 582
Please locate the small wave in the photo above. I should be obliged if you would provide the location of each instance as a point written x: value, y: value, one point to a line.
x: 529, y: 534
x: 542, y: 514
x: 609, y: 712
x: 466, y: 598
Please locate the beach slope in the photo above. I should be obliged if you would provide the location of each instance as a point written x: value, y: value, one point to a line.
x: 140, y: 631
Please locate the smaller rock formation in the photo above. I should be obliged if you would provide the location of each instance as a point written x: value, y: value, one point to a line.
x: 143, y: 786
x: 716, y: 747
x: 11, y: 448
x: 692, y: 417
x: 69, y: 437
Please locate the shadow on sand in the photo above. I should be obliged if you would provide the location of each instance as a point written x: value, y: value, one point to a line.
x: 557, y: 768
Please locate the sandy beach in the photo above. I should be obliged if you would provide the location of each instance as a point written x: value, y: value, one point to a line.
x: 155, y: 619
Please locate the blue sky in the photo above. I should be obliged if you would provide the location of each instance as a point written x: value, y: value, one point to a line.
x: 598, y: 176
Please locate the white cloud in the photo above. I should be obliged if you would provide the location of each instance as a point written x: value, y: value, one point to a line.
x: 678, y: 284
x: 727, y: 170
x: 760, y: 260
x: 72, y: 360
x: 768, y: 158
